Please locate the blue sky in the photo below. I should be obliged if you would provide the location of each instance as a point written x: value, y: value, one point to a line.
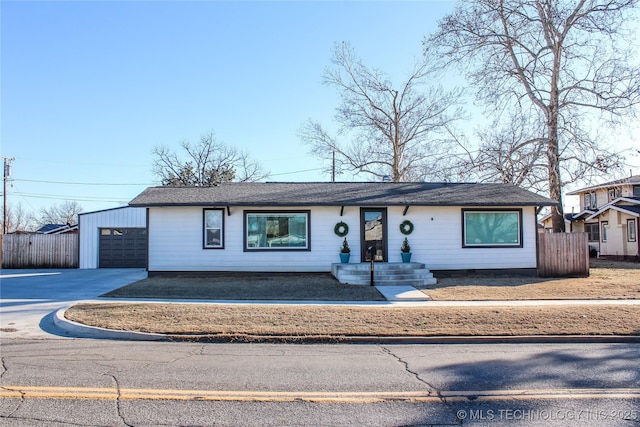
x: 89, y: 88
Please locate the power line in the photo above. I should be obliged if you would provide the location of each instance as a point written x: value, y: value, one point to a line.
x: 80, y: 183
x: 74, y: 198
x: 291, y: 173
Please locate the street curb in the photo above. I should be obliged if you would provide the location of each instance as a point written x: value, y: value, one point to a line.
x: 80, y: 330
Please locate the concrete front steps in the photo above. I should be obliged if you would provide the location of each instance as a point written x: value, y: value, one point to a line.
x: 385, y: 274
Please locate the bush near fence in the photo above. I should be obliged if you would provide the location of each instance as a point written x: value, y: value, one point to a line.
x: 40, y: 251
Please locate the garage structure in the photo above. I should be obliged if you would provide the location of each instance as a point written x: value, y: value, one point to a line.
x: 114, y: 238
x: 122, y: 248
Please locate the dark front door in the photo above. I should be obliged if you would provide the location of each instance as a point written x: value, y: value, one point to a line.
x: 373, y: 224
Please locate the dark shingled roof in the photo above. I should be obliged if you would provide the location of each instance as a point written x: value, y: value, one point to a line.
x: 341, y: 194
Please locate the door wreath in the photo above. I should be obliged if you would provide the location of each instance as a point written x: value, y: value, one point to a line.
x: 341, y: 229
x: 406, y: 227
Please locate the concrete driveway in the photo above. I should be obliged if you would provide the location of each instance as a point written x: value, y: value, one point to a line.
x: 28, y: 298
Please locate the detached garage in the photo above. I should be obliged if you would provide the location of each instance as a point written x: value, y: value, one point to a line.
x: 114, y: 238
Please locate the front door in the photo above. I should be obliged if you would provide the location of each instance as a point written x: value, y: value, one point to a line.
x: 373, y: 226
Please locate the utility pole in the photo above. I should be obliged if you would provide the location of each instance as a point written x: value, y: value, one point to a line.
x: 7, y: 174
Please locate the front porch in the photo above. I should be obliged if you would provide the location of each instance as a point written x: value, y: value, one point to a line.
x: 384, y: 273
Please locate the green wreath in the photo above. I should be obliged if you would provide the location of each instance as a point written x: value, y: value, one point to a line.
x: 341, y: 229
x: 406, y: 227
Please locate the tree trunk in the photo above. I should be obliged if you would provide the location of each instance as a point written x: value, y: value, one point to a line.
x: 555, y: 183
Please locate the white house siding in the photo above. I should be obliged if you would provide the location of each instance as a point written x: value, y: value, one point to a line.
x: 176, y: 241
x: 617, y: 244
x: 437, y: 241
x: 91, y: 222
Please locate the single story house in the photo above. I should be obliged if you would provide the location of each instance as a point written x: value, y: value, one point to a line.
x: 58, y: 229
x: 300, y: 227
x: 113, y: 238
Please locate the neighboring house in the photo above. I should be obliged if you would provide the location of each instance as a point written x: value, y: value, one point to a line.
x: 58, y: 229
x: 610, y: 214
x: 300, y: 227
x: 113, y: 238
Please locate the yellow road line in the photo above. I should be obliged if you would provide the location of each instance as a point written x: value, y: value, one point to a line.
x: 90, y: 393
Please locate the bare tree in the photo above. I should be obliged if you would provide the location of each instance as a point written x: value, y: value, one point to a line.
x: 570, y: 60
x: 400, y: 132
x: 208, y: 163
x: 64, y: 213
x: 508, y: 153
x: 18, y: 220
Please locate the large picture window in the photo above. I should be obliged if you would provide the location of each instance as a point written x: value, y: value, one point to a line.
x: 213, y: 229
x: 491, y: 228
x: 277, y: 230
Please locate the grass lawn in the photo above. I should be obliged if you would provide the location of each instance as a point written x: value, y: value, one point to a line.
x: 294, y: 322
x: 266, y: 322
x: 607, y: 280
x: 254, y: 286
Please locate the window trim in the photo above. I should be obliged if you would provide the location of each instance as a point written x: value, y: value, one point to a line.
x: 517, y: 211
x: 604, y: 225
x: 631, y: 230
x: 204, y: 228
x: 246, y: 248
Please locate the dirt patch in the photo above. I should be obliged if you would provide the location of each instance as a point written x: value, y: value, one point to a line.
x: 238, y: 321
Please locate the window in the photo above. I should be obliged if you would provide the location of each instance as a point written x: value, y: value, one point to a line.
x: 213, y: 229
x: 590, y: 201
x: 277, y: 230
x: 631, y: 230
x: 593, y: 230
x: 603, y: 233
x: 636, y: 191
x: 491, y: 228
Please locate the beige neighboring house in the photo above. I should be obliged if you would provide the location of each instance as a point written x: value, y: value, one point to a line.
x: 610, y: 214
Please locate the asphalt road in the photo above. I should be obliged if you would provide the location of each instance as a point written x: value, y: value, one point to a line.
x: 109, y: 383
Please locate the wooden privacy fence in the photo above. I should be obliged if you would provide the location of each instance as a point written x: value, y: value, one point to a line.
x: 563, y: 254
x: 40, y: 251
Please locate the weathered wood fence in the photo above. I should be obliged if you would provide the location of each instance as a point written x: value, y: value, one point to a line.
x: 563, y: 254
x: 40, y: 251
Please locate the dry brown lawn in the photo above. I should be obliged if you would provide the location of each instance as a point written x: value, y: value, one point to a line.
x: 250, y: 286
x: 225, y: 322
x: 255, y: 323
x: 607, y: 280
